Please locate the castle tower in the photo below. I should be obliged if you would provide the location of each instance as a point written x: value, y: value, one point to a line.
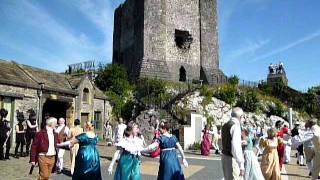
x: 174, y: 40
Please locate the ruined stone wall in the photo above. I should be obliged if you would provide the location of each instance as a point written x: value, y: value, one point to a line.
x: 210, y: 72
x: 144, y: 38
x: 209, y: 34
x: 183, y: 15
x: 128, y: 36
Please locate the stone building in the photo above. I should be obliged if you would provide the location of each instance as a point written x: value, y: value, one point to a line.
x: 24, y: 87
x: 175, y: 40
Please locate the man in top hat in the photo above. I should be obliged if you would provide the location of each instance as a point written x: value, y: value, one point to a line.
x: 5, y: 131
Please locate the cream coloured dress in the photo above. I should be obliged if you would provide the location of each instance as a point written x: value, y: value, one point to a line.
x: 270, y: 166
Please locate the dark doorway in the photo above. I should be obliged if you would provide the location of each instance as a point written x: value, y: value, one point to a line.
x: 182, y: 74
x: 55, y: 109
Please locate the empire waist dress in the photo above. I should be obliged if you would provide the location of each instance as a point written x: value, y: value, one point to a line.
x: 87, y: 165
x: 170, y: 168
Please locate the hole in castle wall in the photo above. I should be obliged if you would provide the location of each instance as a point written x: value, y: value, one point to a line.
x: 183, y: 39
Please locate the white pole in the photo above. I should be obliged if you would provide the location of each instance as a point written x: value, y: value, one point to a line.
x: 290, y: 118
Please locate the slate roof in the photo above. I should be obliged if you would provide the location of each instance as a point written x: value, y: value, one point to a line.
x: 15, y: 74
x: 12, y: 74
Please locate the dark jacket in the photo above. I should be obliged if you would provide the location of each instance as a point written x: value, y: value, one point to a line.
x: 40, y: 144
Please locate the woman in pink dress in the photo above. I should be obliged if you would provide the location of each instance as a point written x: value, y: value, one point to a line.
x: 205, y: 144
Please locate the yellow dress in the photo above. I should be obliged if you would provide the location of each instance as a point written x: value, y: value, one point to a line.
x: 74, y: 131
x: 270, y: 166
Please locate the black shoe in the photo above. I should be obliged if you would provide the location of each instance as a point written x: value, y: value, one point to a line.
x: 16, y: 156
x: 310, y: 174
x: 59, y: 172
x: 7, y: 158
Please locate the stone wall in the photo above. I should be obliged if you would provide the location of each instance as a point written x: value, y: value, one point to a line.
x: 144, y: 39
x: 84, y: 107
x: 128, y: 36
x: 183, y: 15
x: 28, y: 101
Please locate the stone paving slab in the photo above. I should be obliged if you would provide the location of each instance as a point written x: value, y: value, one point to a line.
x: 200, y: 167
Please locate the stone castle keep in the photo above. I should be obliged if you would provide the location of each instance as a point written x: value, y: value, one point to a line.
x: 175, y: 40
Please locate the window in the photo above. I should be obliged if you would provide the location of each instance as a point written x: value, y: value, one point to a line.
x: 98, y: 120
x: 85, y: 95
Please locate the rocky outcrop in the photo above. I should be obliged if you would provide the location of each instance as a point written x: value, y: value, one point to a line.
x: 221, y: 112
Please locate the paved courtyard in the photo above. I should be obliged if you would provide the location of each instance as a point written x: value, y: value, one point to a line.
x: 199, y: 168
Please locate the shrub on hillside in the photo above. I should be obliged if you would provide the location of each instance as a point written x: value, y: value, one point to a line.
x: 276, y: 109
x: 227, y: 93
x: 233, y: 80
x: 152, y: 91
x: 249, y: 101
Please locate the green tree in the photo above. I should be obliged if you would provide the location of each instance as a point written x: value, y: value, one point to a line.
x: 109, y: 76
x: 152, y: 91
x: 227, y: 93
x: 113, y: 79
x: 233, y: 80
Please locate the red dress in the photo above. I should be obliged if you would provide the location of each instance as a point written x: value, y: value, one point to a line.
x: 280, y: 148
x: 157, y: 151
x: 205, y: 144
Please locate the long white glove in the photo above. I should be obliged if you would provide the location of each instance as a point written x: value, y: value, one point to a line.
x: 185, y: 163
x: 65, y: 144
x: 115, y: 157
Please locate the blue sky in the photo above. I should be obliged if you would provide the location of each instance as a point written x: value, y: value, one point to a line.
x: 252, y: 34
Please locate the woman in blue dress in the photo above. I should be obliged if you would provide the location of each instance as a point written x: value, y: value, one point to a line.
x: 87, y: 164
x: 129, y: 148
x: 252, y: 166
x: 170, y: 168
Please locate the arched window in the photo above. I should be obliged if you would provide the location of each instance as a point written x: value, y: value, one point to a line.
x: 85, y: 95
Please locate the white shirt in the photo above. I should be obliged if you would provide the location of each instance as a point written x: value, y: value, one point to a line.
x: 51, y: 149
x: 214, y: 131
x: 66, y: 129
x: 236, y: 147
x: 120, y: 131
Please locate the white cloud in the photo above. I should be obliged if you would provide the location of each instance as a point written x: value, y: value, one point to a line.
x: 248, y: 48
x: 69, y: 47
x: 288, y: 46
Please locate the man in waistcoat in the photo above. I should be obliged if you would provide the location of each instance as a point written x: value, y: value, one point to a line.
x: 232, y: 155
x: 62, y: 130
